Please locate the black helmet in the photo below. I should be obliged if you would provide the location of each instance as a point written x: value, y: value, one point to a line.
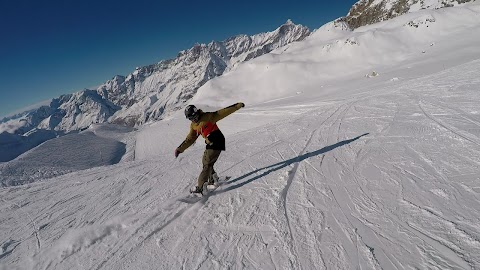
x: 192, y: 113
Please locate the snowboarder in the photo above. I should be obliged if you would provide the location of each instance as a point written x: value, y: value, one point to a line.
x: 204, y: 123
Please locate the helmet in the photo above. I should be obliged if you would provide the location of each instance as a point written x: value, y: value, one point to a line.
x: 192, y: 113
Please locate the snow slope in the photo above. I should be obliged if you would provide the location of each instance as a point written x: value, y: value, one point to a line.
x: 101, y: 145
x: 330, y: 169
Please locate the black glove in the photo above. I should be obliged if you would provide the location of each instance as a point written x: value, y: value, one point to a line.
x: 177, y: 153
x: 241, y: 104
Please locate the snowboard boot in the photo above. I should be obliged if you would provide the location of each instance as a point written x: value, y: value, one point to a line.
x: 213, y: 179
x: 196, y: 190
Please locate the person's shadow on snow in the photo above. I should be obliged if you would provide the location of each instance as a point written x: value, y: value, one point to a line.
x: 283, y: 164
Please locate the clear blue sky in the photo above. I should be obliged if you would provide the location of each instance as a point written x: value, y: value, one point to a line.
x: 53, y: 47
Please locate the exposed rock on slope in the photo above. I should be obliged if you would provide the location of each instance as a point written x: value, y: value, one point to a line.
x: 367, y: 12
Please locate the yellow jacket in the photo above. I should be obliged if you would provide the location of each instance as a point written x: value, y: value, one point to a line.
x: 207, y: 127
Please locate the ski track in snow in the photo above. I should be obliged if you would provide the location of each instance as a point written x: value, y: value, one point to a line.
x: 368, y: 182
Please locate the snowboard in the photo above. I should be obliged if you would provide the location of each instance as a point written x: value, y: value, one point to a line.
x: 207, y: 191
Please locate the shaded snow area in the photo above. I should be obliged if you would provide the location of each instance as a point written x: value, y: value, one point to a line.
x: 13, y: 145
x: 99, y: 146
x: 352, y: 172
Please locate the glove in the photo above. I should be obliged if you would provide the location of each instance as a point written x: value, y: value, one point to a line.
x: 240, y: 105
x: 177, y: 153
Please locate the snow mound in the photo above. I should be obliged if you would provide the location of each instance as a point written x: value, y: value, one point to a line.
x: 13, y: 145
x: 62, y: 155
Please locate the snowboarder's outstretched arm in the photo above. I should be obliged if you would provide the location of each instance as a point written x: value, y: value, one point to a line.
x: 222, y: 113
x: 191, y: 138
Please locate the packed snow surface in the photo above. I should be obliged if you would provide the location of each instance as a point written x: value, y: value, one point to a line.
x: 331, y: 166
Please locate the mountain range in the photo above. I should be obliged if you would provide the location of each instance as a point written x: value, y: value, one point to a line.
x: 153, y: 92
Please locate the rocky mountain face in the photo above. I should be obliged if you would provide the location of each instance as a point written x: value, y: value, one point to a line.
x: 65, y: 113
x: 366, y: 12
x: 152, y: 92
